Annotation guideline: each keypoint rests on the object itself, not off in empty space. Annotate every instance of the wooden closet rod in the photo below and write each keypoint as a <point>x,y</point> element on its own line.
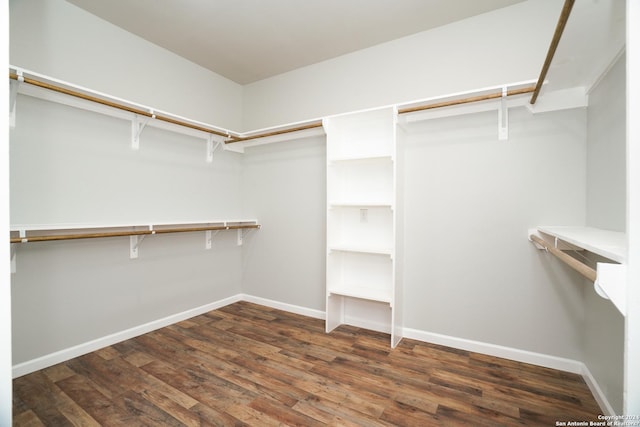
<point>78,236</point>
<point>97,100</point>
<point>128,233</point>
<point>562,22</point>
<point>581,268</point>
<point>468,100</point>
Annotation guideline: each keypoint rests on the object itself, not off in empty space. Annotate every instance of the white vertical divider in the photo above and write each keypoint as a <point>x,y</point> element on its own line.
<point>632,320</point>
<point>5,275</point>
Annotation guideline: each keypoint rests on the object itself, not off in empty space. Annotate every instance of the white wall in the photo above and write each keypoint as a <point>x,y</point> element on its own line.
<point>482,51</point>
<point>606,208</point>
<point>606,153</point>
<point>470,271</point>
<point>60,40</point>
<point>75,166</point>
<point>284,184</point>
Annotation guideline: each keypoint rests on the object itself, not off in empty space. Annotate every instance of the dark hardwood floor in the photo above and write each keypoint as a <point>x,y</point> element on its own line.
<point>246,364</point>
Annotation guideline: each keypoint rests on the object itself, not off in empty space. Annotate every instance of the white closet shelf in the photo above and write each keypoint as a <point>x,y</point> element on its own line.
<point>361,249</point>
<point>609,278</point>
<point>372,158</point>
<point>362,292</point>
<point>609,244</point>
<point>360,204</point>
<point>23,233</point>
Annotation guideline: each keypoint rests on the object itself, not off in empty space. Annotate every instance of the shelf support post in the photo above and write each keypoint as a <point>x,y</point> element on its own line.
<point>503,117</point>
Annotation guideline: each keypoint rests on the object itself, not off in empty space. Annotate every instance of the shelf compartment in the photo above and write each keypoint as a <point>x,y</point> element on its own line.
<point>365,134</point>
<point>362,292</point>
<point>361,182</point>
<point>360,273</point>
<point>360,227</point>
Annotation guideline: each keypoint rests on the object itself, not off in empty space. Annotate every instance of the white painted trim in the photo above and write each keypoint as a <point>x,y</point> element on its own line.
<point>539,359</point>
<point>631,392</point>
<point>296,309</point>
<point>597,392</point>
<point>84,348</point>
<point>599,76</point>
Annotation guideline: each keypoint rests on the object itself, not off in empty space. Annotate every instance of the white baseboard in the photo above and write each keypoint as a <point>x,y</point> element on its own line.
<point>524,356</point>
<point>597,392</point>
<point>84,348</point>
<point>296,309</point>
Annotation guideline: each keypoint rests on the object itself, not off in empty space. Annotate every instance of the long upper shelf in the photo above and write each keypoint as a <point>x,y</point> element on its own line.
<point>24,233</point>
<point>41,84</point>
<point>609,244</point>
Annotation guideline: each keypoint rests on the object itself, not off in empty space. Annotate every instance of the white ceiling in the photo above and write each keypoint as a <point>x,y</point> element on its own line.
<point>250,40</point>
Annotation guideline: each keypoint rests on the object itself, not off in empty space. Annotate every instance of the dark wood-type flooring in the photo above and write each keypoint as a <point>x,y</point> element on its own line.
<point>246,364</point>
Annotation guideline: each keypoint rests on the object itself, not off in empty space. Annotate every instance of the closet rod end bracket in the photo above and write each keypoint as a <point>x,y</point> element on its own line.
<point>535,232</point>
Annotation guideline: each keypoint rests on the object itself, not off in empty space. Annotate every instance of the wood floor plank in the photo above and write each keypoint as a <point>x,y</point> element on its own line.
<point>45,399</point>
<point>100,407</point>
<point>249,365</point>
<point>212,417</point>
<point>284,414</point>
<point>335,412</point>
<point>27,419</point>
<point>399,414</point>
<point>58,372</point>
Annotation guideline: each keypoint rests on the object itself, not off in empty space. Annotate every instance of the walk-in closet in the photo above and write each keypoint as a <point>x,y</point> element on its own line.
<point>321,213</point>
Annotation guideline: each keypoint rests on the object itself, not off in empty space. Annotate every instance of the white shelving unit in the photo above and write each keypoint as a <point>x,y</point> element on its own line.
<point>363,276</point>
<point>610,280</point>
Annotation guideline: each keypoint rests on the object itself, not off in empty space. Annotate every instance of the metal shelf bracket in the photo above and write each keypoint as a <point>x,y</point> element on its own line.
<point>13,97</point>
<point>503,117</point>
<point>137,126</point>
<point>209,235</point>
<point>242,233</point>
<point>211,149</point>
<point>134,244</point>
